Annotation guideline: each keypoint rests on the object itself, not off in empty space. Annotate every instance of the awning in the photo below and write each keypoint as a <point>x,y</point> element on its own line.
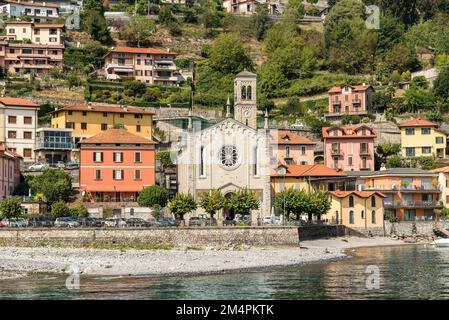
<point>111,188</point>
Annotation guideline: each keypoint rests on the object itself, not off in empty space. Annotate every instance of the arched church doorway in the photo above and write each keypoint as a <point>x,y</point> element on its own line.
<point>228,213</point>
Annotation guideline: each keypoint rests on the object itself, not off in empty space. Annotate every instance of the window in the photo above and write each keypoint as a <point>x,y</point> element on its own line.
<point>364,148</point>
<point>425,131</point>
<point>83,126</point>
<point>373,217</point>
<point>147,62</point>
<point>53,39</point>
<point>362,214</point>
<point>12,119</point>
<point>104,126</point>
<point>148,73</point>
<point>303,150</point>
<point>27,153</point>
<point>350,161</point>
<point>138,116</point>
<point>70,125</point>
<point>138,62</point>
<point>248,92</point>
<point>351,217</point>
<point>38,39</point>
<point>27,135</point>
<point>118,174</point>
<point>228,156</point>
<point>287,151</point>
<point>351,201</point>
<point>98,156</point>
<point>137,157</point>
<point>255,168</point>
<point>137,174</point>
<point>122,115</point>
<point>12,134</point>
<point>439,140</point>
<point>303,163</point>
<point>97,174</point>
<point>364,163</point>
<point>26,51</point>
<point>138,128</point>
<point>118,156</point>
<point>243,92</point>
<point>373,202</point>
<point>410,152</point>
<point>410,131</point>
<point>105,114</point>
<point>12,50</point>
<point>36,31</point>
<point>84,113</point>
<point>70,112</point>
<point>426,150</point>
<point>27,120</point>
<point>202,162</point>
<point>12,31</point>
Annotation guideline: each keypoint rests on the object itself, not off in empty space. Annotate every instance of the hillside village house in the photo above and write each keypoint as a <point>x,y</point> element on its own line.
<point>53,145</point>
<point>422,138</point>
<point>356,209</point>
<point>248,7</point>
<point>290,148</point>
<point>87,120</point>
<point>443,181</point>
<point>9,171</point>
<point>411,194</point>
<point>18,124</point>
<point>37,11</point>
<point>349,148</point>
<point>115,165</point>
<point>147,65</point>
<point>350,100</point>
<point>39,50</point>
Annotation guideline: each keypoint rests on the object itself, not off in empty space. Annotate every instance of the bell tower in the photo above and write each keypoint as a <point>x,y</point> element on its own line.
<point>245,98</point>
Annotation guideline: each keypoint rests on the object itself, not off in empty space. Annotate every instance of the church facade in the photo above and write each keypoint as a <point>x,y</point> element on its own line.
<point>231,155</point>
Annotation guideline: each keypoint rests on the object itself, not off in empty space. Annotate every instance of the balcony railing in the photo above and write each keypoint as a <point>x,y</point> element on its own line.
<point>364,152</point>
<point>413,204</point>
<point>411,188</point>
<point>336,103</point>
<point>336,152</point>
<point>356,101</point>
<point>341,113</point>
<point>420,188</point>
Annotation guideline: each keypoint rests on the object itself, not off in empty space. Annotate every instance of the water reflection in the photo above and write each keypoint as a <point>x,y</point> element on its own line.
<point>411,272</point>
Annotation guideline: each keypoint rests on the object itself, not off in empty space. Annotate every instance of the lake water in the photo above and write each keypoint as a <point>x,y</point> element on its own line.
<point>407,272</point>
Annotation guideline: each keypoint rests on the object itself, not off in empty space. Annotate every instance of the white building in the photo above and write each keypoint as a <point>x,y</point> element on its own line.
<point>231,155</point>
<point>38,11</point>
<point>18,124</point>
<point>248,7</point>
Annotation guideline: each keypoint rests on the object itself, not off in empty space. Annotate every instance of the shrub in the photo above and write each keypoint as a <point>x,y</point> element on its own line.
<point>59,209</point>
<point>153,195</point>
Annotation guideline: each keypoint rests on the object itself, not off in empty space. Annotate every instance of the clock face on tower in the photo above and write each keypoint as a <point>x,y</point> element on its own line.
<point>247,113</point>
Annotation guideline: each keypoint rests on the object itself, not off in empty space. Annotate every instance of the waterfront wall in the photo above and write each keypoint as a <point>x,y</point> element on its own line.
<point>208,236</point>
<point>406,229</point>
<point>313,232</point>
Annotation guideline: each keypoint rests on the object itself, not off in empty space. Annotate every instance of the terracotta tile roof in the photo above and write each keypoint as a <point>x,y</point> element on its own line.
<point>442,170</point>
<point>117,136</point>
<point>361,194</point>
<point>47,25</point>
<point>141,50</point>
<point>310,171</point>
<point>7,101</point>
<point>288,137</point>
<point>18,22</point>
<point>34,4</point>
<point>348,132</point>
<point>35,45</point>
<point>417,123</point>
<point>104,108</point>
<point>354,88</point>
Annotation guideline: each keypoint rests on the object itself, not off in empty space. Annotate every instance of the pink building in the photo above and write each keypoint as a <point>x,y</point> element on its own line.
<point>349,148</point>
<point>148,65</point>
<point>9,171</point>
<point>115,165</point>
<point>350,100</point>
<point>290,148</point>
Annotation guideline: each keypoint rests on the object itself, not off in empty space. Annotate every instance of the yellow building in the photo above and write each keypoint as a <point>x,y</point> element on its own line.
<point>356,209</point>
<point>422,138</point>
<point>87,120</point>
<point>307,177</point>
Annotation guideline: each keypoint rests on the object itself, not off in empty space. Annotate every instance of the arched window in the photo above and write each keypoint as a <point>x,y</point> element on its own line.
<point>373,217</point>
<point>351,217</point>
<point>362,214</point>
<point>248,92</point>
<point>351,202</point>
<point>243,92</point>
<point>373,201</point>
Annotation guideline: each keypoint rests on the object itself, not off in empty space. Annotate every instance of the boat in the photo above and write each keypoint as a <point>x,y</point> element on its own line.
<point>441,243</point>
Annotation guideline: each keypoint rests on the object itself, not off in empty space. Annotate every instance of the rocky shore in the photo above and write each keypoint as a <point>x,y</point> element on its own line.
<point>19,261</point>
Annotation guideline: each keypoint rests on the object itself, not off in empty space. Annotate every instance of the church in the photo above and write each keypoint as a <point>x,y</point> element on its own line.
<point>231,155</point>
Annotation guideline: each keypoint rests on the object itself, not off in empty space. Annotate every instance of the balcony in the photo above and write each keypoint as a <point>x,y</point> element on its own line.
<point>365,152</point>
<point>413,204</point>
<point>337,152</point>
<point>342,113</point>
<point>171,67</point>
<point>165,78</point>
<point>356,101</point>
<point>422,188</point>
<point>54,145</point>
<point>336,103</point>
<point>120,67</point>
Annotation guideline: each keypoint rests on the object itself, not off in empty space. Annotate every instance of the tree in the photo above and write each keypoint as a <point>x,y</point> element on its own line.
<point>441,84</point>
<point>59,209</point>
<point>10,208</point>
<point>295,9</point>
<point>291,202</point>
<point>212,201</point>
<point>134,88</point>
<point>243,201</point>
<point>228,56</point>
<point>261,21</point>
<point>96,26</point>
<point>137,30</point>
<point>78,211</point>
<point>319,203</point>
<point>182,204</point>
<point>153,195</point>
<point>53,184</point>
<point>95,5</point>
<point>386,150</point>
<point>394,162</point>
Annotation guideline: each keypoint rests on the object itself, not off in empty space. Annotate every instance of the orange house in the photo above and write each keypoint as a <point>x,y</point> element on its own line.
<point>115,165</point>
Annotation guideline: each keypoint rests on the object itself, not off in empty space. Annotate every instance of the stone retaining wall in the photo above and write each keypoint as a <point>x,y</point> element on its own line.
<point>406,228</point>
<point>208,236</point>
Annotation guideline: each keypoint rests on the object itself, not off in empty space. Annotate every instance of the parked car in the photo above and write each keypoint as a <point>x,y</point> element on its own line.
<point>60,164</point>
<point>229,222</point>
<point>16,223</point>
<point>71,165</point>
<point>67,222</point>
<point>41,222</point>
<point>137,222</point>
<point>196,221</point>
<point>167,222</point>
<point>3,223</point>
<point>91,222</point>
<point>38,166</point>
<point>267,220</point>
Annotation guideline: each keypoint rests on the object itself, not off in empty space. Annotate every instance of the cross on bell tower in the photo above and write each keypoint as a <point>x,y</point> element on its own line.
<point>245,98</point>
